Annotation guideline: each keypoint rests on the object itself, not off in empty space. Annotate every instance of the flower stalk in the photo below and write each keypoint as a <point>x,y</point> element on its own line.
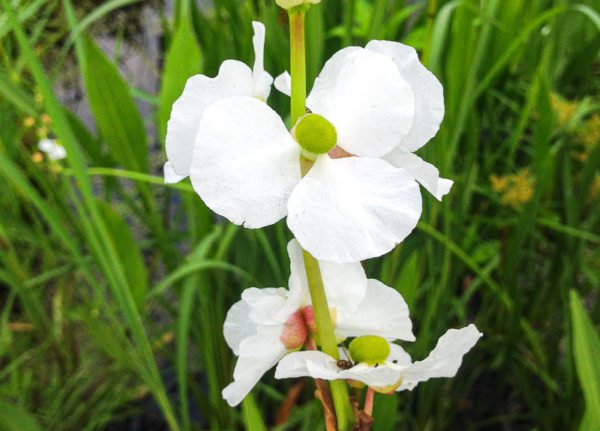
<point>325,329</point>
<point>369,400</point>
<point>297,62</point>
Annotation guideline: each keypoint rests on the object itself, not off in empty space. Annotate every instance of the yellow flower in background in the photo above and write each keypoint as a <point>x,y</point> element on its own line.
<point>515,189</point>
<point>29,122</point>
<point>588,137</point>
<point>499,184</point>
<point>564,109</point>
<point>45,118</point>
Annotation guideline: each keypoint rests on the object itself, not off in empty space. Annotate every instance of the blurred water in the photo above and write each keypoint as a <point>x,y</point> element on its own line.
<point>138,54</point>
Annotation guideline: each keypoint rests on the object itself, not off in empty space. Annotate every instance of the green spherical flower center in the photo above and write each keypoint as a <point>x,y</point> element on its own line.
<point>370,349</point>
<point>315,134</point>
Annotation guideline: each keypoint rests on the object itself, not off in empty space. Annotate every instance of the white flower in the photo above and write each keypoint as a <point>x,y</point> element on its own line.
<point>428,114</point>
<point>397,372</point>
<point>234,79</point>
<point>53,149</point>
<point>268,324</point>
<point>346,209</point>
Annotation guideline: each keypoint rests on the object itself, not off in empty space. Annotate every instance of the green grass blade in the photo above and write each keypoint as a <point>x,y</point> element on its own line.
<point>115,112</point>
<point>253,420</point>
<point>129,254</point>
<point>13,418</point>
<point>586,350</point>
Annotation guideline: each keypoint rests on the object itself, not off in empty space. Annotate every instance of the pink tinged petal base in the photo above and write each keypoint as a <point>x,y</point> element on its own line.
<point>427,90</point>
<point>444,360</point>
<point>234,79</point>
<point>363,95</point>
<point>383,312</point>
<point>294,331</point>
<point>245,162</point>
<point>425,173</point>
<point>352,209</point>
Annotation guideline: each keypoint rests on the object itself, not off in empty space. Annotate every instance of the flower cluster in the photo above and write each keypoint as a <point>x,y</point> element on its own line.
<point>360,197</point>
<point>516,190</point>
<point>347,178</point>
<point>269,326</point>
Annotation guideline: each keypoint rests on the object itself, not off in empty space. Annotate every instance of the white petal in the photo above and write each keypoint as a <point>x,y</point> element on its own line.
<point>427,91</point>
<point>380,376</point>
<point>283,83</point>
<point>258,354</point>
<point>234,79</point>
<point>258,41</point>
<point>46,145</point>
<point>262,86</point>
<point>445,359</point>
<point>53,149</point>
<point>425,173</point>
<point>266,305</point>
<point>245,162</point>
<point>398,357</point>
<point>382,312</point>
<point>353,208</point>
<point>171,177</point>
<point>362,94</point>
<point>345,283</point>
<point>318,365</point>
<point>262,79</point>
<point>312,363</point>
<point>297,282</point>
<point>238,325</point>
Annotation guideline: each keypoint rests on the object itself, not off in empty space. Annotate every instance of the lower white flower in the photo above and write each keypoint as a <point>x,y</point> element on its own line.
<point>268,324</point>
<point>345,209</point>
<point>381,365</point>
<point>53,149</point>
<point>234,79</point>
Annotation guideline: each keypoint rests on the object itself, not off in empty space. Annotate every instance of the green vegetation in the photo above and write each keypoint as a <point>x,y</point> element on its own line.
<point>114,286</point>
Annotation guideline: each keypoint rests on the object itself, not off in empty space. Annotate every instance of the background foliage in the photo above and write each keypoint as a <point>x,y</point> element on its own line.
<point>114,287</point>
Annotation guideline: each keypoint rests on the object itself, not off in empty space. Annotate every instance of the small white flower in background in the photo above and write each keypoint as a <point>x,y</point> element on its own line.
<point>268,324</point>
<point>234,79</point>
<point>428,114</point>
<point>345,209</point>
<point>381,365</point>
<point>53,149</point>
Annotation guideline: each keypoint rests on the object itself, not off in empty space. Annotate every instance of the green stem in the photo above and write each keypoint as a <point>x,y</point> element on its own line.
<point>327,340</point>
<point>432,7</point>
<point>325,329</point>
<point>297,63</point>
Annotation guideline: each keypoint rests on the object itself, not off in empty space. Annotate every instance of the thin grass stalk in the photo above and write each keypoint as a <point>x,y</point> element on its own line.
<point>99,237</point>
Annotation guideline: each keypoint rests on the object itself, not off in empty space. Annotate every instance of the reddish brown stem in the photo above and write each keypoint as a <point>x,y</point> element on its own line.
<point>369,398</point>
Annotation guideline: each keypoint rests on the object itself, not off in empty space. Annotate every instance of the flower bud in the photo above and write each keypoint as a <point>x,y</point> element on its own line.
<point>309,318</point>
<point>294,331</point>
<point>370,349</point>
<point>289,4</point>
<point>315,134</point>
